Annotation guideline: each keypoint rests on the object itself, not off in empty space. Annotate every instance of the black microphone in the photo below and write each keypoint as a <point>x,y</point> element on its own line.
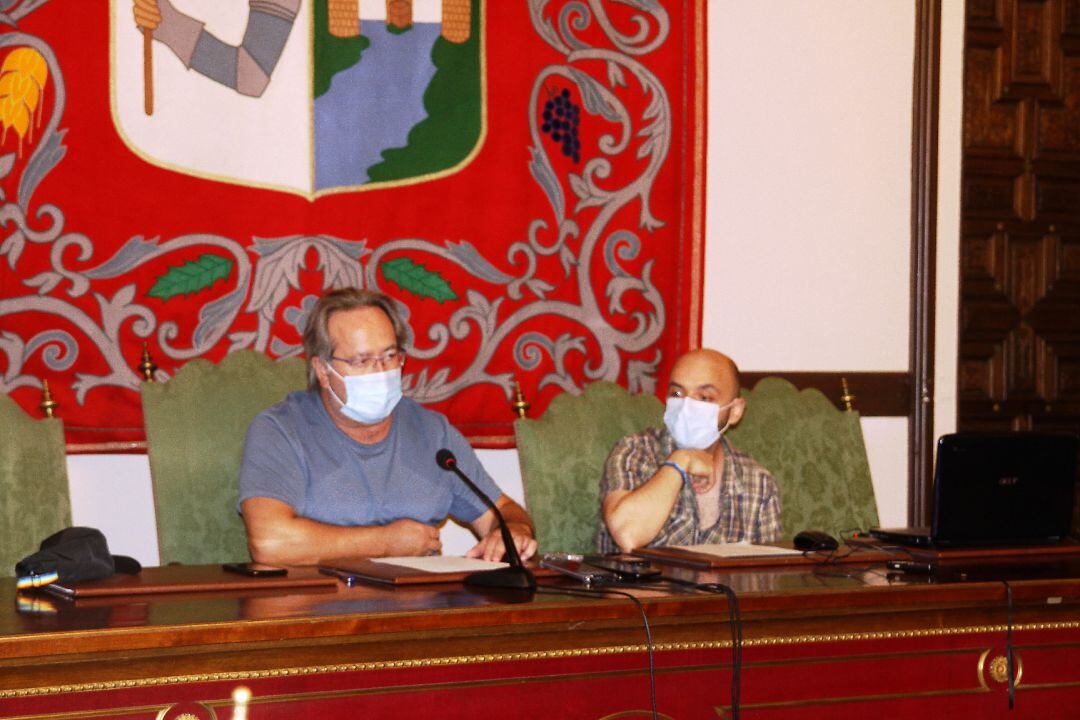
<point>517,575</point>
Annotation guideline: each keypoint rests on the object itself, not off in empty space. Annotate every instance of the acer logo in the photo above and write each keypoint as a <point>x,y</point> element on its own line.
<point>1008,481</point>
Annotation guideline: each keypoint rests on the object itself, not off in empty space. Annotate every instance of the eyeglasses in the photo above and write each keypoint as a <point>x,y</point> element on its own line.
<point>392,358</point>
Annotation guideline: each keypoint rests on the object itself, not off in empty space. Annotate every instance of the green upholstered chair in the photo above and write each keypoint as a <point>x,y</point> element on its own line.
<point>33,483</point>
<point>562,458</point>
<point>195,428</point>
<point>816,454</point>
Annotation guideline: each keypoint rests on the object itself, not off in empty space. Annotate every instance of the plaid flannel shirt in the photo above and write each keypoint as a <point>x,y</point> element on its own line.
<point>749,500</point>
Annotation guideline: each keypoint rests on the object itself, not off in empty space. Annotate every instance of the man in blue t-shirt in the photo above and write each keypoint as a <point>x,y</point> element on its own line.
<point>347,468</point>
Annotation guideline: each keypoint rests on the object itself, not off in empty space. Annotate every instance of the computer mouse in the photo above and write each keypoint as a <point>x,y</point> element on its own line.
<point>815,540</point>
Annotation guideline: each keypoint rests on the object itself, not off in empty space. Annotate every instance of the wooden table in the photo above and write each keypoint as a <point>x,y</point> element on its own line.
<point>836,641</point>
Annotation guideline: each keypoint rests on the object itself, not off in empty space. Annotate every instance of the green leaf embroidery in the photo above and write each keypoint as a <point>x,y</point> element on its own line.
<point>192,276</point>
<point>417,279</point>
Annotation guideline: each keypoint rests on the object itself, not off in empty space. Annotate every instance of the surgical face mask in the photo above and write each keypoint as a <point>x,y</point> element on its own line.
<point>369,398</point>
<point>694,424</point>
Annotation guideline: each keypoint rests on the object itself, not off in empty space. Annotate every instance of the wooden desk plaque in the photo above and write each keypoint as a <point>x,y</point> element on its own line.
<point>706,561</point>
<point>186,578</point>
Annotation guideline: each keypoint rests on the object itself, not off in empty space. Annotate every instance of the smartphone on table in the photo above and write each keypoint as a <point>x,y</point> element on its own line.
<point>251,569</point>
<point>627,567</point>
<point>575,566</point>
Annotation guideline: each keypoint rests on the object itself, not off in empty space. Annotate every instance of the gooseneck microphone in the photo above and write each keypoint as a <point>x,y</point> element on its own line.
<point>516,575</point>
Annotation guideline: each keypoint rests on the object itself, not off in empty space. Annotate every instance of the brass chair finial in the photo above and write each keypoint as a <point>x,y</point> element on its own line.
<point>47,403</point>
<point>846,396</point>
<point>520,404</point>
<point>146,365</point>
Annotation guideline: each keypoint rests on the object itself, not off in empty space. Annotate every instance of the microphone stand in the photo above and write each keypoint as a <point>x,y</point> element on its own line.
<point>516,576</point>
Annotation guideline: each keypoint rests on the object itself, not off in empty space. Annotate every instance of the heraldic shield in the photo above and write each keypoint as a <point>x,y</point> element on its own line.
<point>303,96</point>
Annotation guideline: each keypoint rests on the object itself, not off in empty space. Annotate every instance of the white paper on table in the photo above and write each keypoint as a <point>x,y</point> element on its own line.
<point>441,563</point>
<point>734,550</point>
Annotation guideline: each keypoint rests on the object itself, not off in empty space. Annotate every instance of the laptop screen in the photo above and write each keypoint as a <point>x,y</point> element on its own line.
<point>1003,488</point>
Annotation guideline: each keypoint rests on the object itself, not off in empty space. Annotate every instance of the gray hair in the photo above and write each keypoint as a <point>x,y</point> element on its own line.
<point>317,333</point>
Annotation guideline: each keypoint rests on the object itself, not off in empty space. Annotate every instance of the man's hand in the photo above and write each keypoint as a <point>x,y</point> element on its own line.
<point>491,547</point>
<point>408,537</point>
<point>700,466</point>
<point>147,14</point>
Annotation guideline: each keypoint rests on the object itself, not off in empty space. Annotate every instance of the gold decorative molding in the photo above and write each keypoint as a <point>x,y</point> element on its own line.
<point>998,668</point>
<point>243,675</point>
<point>724,711</point>
<point>186,711</point>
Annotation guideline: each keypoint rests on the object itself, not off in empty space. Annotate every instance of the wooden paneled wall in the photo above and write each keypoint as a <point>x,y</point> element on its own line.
<point>1019,353</point>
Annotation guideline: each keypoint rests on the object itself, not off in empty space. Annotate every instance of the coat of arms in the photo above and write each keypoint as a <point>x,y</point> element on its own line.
<point>308,96</point>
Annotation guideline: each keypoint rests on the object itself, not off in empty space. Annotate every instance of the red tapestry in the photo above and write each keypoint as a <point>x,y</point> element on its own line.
<point>525,177</point>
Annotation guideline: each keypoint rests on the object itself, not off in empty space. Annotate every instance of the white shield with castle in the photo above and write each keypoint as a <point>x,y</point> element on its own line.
<point>305,96</point>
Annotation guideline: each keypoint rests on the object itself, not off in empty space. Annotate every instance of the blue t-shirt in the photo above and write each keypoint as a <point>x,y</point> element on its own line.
<point>296,454</point>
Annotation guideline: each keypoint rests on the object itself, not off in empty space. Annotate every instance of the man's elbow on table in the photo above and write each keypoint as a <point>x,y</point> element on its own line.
<point>272,549</point>
<point>267,551</point>
<point>624,531</point>
<point>270,540</point>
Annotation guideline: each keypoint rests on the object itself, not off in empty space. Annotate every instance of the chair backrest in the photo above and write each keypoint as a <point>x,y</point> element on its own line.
<point>195,428</point>
<point>816,454</point>
<point>33,483</point>
<point>562,458</point>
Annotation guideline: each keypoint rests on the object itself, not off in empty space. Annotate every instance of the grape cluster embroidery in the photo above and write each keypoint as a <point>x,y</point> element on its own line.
<point>561,118</point>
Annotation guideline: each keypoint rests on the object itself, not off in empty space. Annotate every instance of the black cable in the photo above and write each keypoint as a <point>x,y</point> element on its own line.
<point>735,627</point>
<point>838,566</point>
<point>837,561</point>
<point>910,552</point>
<point>823,557</point>
<point>600,592</point>
<point>735,624</point>
<point>1008,641</point>
<point>846,572</point>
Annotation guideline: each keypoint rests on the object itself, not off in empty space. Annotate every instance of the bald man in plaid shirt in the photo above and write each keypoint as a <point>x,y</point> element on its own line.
<point>684,484</point>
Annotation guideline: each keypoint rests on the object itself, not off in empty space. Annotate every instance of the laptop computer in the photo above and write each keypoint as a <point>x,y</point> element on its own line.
<point>998,489</point>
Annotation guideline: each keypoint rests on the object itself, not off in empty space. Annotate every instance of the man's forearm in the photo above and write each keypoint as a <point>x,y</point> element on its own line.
<point>518,522</point>
<point>278,536</point>
<point>514,514</point>
<point>300,541</point>
<point>638,516</point>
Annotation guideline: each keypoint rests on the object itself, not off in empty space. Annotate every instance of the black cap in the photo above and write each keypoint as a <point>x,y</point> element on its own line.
<point>74,554</point>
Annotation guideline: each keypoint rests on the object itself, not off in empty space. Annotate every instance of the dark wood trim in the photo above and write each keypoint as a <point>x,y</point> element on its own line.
<point>877,394</point>
<point>924,159</point>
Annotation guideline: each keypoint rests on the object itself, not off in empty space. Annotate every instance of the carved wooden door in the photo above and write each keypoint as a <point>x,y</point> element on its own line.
<point>1020,217</point>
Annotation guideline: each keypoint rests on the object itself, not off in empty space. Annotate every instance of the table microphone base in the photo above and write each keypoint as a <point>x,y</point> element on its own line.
<point>507,577</point>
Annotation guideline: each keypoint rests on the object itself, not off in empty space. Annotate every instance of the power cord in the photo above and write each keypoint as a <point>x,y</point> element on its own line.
<point>735,624</point>
<point>735,627</point>
<point>908,551</point>
<point>851,569</point>
<point>1008,641</point>
<point>601,592</point>
<point>835,564</point>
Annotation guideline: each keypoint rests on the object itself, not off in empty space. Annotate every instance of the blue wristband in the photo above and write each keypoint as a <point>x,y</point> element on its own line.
<point>671,464</point>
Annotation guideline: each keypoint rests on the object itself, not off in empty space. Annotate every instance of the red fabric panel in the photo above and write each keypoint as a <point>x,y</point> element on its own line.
<point>555,291</point>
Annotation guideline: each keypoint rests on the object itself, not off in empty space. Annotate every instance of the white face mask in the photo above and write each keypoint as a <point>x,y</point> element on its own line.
<point>694,424</point>
<point>369,398</point>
